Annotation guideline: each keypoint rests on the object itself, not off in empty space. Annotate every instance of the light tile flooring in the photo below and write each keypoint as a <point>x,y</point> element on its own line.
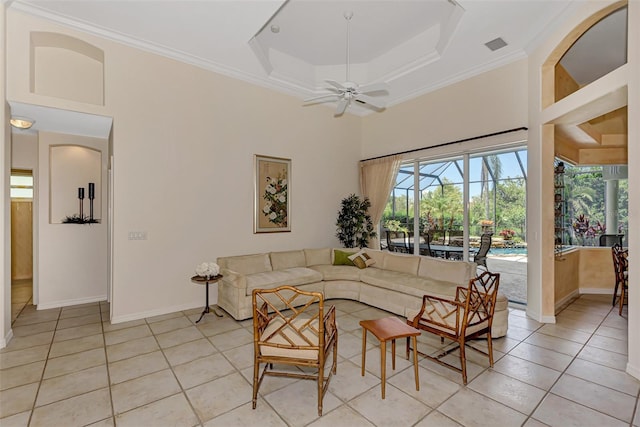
<point>71,367</point>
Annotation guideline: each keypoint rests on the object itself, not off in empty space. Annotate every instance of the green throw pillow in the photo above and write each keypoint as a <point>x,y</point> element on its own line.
<point>341,258</point>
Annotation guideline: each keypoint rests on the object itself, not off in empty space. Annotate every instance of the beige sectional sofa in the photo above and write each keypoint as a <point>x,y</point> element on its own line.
<point>394,282</point>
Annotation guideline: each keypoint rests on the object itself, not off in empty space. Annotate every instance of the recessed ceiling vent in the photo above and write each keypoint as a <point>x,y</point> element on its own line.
<point>496,44</point>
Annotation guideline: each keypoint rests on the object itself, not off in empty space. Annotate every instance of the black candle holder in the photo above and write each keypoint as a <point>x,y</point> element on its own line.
<point>92,195</point>
<point>81,199</point>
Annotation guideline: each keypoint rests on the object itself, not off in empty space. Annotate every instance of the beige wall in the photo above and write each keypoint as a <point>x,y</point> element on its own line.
<point>566,276</point>
<point>633,366</point>
<point>585,270</point>
<point>71,258</point>
<point>5,204</point>
<point>491,102</point>
<point>183,146</point>
<point>541,265</point>
<point>596,270</point>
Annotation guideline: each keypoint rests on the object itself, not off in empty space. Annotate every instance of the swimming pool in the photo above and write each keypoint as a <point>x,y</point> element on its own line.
<point>508,251</point>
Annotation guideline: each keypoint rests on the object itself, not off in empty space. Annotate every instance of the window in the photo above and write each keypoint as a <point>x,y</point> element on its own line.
<point>21,184</point>
<point>586,191</point>
<point>496,198</point>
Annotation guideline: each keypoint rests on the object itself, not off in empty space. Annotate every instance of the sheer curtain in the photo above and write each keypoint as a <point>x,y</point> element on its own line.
<point>377,178</point>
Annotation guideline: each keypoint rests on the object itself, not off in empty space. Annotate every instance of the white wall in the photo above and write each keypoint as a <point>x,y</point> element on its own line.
<point>72,258</point>
<point>5,204</point>
<point>633,365</point>
<point>491,102</point>
<point>183,146</point>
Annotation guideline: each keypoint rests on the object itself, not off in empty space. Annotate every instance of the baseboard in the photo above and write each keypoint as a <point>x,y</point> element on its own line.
<point>152,313</point>
<point>548,319</point>
<point>7,338</point>
<point>567,299</point>
<point>65,303</point>
<point>596,291</point>
<point>634,371</point>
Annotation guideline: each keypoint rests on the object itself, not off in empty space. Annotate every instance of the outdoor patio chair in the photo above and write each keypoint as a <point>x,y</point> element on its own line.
<point>468,316</point>
<point>425,248</point>
<point>397,241</point>
<point>291,328</point>
<point>610,239</point>
<point>480,257</point>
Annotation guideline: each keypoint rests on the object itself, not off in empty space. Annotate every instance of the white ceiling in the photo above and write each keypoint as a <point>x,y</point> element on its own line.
<point>415,46</point>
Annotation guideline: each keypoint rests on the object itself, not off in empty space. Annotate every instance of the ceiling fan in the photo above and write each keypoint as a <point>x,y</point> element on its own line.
<point>349,91</point>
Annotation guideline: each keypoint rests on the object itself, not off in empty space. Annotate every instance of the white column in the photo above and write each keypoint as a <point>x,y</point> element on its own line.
<point>611,206</point>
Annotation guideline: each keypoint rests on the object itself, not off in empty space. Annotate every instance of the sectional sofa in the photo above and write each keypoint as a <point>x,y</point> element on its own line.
<point>390,281</point>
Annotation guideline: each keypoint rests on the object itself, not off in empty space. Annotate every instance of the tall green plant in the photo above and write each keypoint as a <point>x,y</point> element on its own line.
<point>354,222</point>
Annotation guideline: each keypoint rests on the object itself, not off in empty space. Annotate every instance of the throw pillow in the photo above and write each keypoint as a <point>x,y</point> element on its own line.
<point>341,258</point>
<point>362,259</point>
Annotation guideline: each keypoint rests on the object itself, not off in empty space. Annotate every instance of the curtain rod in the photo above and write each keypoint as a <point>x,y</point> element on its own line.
<point>444,144</point>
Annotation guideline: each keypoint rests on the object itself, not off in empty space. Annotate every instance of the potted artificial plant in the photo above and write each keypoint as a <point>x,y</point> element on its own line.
<point>355,227</point>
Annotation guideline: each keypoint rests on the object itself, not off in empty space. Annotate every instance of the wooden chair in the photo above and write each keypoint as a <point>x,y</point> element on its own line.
<point>290,327</point>
<point>620,266</point>
<point>480,257</point>
<point>468,316</point>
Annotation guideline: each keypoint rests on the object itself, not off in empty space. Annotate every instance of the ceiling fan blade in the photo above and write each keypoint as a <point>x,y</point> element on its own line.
<point>374,87</point>
<point>336,85</point>
<point>342,106</point>
<point>371,101</point>
<point>322,98</point>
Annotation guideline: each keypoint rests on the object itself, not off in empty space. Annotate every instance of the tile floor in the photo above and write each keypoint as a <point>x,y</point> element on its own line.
<point>71,367</point>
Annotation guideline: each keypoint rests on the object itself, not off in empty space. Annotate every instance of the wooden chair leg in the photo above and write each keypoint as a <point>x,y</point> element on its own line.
<point>463,363</point>
<point>490,348</point>
<point>256,372</point>
<point>615,294</point>
<point>320,378</point>
<point>622,295</point>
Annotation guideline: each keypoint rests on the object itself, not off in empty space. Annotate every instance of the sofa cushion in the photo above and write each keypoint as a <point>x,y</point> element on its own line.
<point>450,321</point>
<point>362,259</point>
<point>341,257</point>
<point>291,276</point>
<point>378,256</point>
<point>288,259</point>
<point>318,256</point>
<point>248,264</point>
<point>407,283</point>
<point>338,272</point>
<point>401,263</point>
<point>459,272</point>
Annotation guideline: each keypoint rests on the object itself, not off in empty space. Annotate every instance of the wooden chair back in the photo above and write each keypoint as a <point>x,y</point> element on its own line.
<point>291,327</point>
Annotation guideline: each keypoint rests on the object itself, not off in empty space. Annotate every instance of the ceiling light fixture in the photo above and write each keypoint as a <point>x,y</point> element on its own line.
<point>21,122</point>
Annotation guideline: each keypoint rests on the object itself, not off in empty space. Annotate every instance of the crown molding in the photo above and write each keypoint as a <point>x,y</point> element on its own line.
<point>154,48</point>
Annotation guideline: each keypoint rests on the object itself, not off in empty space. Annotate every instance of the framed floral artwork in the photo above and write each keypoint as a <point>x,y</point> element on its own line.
<point>272,195</point>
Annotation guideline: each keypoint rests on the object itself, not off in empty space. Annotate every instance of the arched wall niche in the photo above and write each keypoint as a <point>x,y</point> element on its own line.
<point>66,67</point>
<point>601,138</point>
<point>73,167</point>
<point>552,82</point>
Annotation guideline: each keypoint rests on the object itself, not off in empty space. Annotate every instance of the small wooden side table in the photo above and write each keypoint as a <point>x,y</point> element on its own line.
<point>389,328</point>
<point>205,281</point>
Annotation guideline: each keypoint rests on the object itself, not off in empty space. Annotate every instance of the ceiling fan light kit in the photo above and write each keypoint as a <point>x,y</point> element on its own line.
<point>349,91</point>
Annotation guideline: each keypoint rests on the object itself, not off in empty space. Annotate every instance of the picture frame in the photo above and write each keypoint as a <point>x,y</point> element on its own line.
<point>272,194</point>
